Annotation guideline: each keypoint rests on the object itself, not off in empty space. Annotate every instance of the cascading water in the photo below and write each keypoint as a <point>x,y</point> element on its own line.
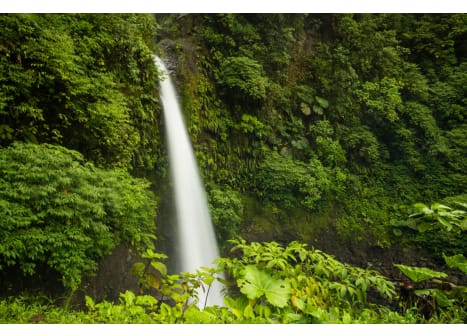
<point>196,241</point>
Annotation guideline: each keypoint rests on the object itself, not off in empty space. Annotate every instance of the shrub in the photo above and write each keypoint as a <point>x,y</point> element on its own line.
<point>226,210</point>
<point>292,183</point>
<point>243,78</point>
<point>59,211</point>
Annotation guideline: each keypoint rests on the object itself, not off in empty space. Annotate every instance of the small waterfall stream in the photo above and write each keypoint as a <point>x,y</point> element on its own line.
<point>196,243</point>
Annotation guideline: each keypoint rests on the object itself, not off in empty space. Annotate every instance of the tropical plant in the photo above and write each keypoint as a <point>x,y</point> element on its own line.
<point>457,261</point>
<point>83,81</point>
<point>418,274</point>
<point>294,284</point>
<point>226,211</point>
<point>291,183</point>
<point>62,213</point>
<point>438,216</point>
<point>438,228</point>
<point>243,78</point>
<point>437,299</point>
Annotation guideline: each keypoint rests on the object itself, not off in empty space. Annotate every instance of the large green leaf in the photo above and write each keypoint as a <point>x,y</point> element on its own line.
<point>441,299</point>
<point>418,274</point>
<point>160,267</point>
<point>258,283</point>
<point>458,261</point>
<point>322,102</point>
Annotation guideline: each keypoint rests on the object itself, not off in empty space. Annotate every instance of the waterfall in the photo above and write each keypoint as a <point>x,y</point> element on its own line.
<point>196,243</point>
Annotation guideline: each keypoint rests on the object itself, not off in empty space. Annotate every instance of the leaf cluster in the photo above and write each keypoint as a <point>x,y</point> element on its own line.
<point>83,81</point>
<point>61,211</point>
<point>293,284</point>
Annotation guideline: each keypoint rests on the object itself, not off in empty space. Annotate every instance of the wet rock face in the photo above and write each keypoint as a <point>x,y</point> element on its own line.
<point>113,277</point>
<point>360,253</point>
<point>365,255</point>
<point>46,281</point>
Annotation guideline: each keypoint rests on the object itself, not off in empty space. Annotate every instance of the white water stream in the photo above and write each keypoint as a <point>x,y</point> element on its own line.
<point>196,241</point>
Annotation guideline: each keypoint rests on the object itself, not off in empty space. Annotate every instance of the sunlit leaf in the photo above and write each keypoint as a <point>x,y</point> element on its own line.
<point>89,302</point>
<point>298,303</point>
<point>146,300</point>
<point>458,261</point>
<point>424,226</point>
<point>152,280</point>
<point>159,267</point>
<point>258,283</point>
<point>128,297</point>
<point>418,274</point>
<point>305,109</point>
<point>150,254</point>
<point>318,109</point>
<point>248,312</point>
<point>445,223</point>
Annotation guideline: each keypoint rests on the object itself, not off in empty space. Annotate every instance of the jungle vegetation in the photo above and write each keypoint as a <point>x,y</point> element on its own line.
<point>302,124</point>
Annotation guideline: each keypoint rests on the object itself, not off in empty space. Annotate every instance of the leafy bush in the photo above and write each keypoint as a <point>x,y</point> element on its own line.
<point>438,227</point>
<point>226,211</point>
<point>438,299</point>
<point>328,150</point>
<point>291,183</point>
<point>59,211</point>
<point>294,284</point>
<point>243,78</point>
<point>267,283</point>
<point>83,81</point>
<point>438,217</point>
<point>24,309</point>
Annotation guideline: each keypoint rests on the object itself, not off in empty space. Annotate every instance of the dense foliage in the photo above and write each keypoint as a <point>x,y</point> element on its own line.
<point>350,123</point>
<point>226,209</point>
<point>61,213</point>
<point>268,284</point>
<point>86,82</point>
<point>363,114</point>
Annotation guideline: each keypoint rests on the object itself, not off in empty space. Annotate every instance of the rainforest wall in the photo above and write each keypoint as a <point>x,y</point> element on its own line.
<point>79,129</point>
<point>303,124</point>
<point>323,122</point>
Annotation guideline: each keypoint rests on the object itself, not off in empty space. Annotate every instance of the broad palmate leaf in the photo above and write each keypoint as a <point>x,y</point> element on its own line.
<point>258,283</point>
<point>418,274</point>
<point>458,261</point>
